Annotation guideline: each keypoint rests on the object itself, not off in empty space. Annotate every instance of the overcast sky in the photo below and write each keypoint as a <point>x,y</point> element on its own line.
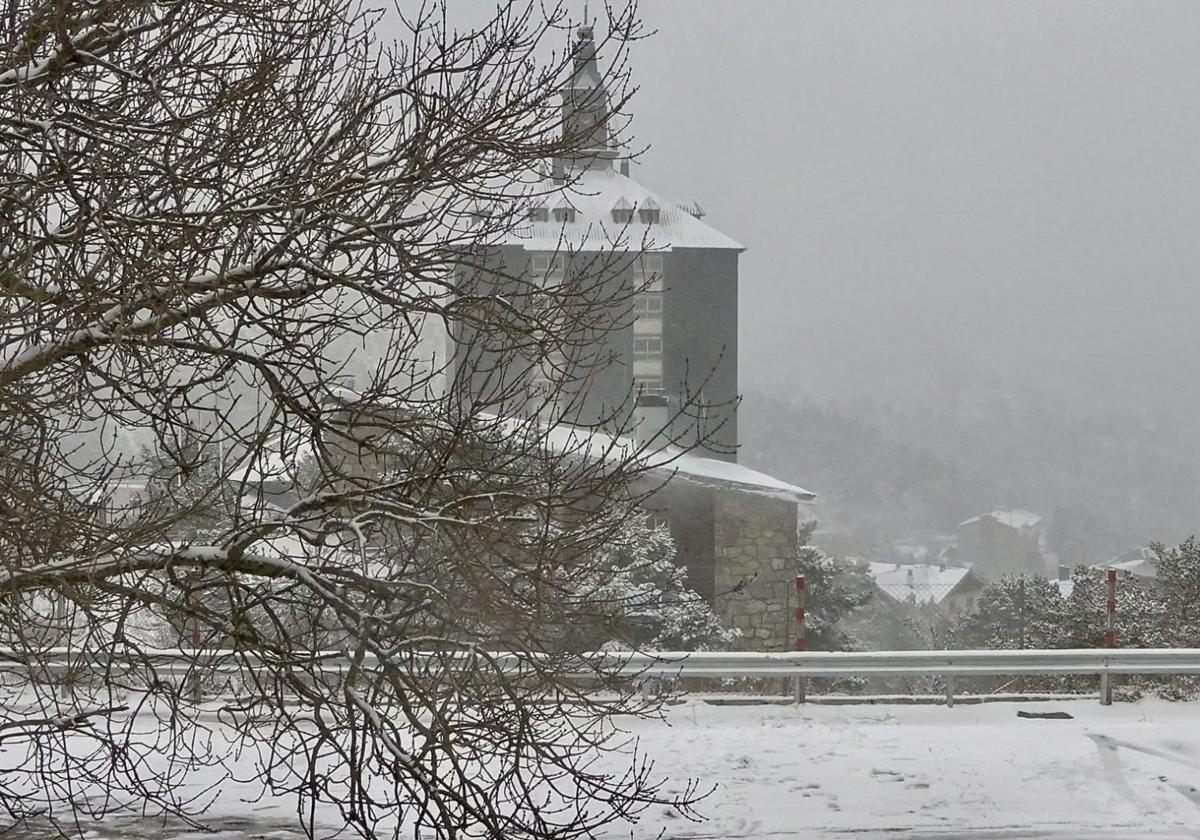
<point>936,194</point>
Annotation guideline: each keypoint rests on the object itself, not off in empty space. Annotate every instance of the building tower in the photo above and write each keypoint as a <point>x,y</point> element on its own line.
<point>681,344</point>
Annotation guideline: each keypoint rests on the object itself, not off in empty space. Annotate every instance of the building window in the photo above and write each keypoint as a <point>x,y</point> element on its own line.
<point>622,211</point>
<point>548,268</point>
<point>648,273</point>
<point>650,303</point>
<point>564,211</point>
<point>537,213</point>
<point>647,346</point>
<point>648,211</point>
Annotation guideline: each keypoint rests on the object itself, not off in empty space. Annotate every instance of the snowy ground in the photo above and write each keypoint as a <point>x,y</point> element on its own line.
<point>884,771</point>
<point>1129,770</point>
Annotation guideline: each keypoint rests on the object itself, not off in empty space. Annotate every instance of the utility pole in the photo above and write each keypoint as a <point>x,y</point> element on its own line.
<point>1110,632</point>
<point>1021,610</point>
<point>799,687</point>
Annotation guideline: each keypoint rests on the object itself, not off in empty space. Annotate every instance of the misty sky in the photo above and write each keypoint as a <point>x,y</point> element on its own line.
<point>942,195</point>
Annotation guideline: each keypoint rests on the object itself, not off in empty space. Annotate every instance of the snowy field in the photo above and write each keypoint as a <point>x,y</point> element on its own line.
<point>1131,770</point>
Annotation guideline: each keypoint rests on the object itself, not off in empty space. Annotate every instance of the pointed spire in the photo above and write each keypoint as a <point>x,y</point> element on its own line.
<point>585,104</point>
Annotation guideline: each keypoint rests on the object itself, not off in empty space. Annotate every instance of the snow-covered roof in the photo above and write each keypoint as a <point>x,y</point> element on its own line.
<point>689,466</point>
<point>1012,518</point>
<point>594,193</point>
<point>1142,563</point>
<point>926,583</point>
<point>729,475</point>
<point>278,463</point>
<point>279,460</point>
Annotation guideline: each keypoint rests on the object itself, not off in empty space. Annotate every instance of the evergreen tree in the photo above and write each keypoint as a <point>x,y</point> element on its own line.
<point>835,588</point>
<point>1012,613</point>
<point>635,596</point>
<point>1179,590</point>
<point>1140,617</point>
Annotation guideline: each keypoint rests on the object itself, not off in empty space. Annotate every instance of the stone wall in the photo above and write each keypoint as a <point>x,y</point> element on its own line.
<point>755,544</point>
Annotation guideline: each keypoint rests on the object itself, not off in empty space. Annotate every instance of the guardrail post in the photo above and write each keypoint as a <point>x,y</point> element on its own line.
<point>950,690</point>
<point>1110,634</point>
<point>798,686</point>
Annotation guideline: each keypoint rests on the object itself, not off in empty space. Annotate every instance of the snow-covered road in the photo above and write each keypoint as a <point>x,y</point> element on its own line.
<point>873,772</point>
<point>1130,770</point>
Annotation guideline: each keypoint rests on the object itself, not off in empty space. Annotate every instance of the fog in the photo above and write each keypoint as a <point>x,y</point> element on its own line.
<point>970,234</point>
<point>941,196</point>
<point>968,281</point>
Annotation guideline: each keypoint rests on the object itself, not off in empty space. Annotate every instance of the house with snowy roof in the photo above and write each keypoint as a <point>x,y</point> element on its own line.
<point>1005,542</point>
<point>952,589</point>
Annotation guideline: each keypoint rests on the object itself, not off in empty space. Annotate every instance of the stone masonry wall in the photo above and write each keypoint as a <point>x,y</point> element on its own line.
<point>755,541</point>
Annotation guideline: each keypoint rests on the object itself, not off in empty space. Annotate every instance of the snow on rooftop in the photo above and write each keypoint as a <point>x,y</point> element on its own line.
<point>594,193</point>
<point>700,470</point>
<point>689,466</point>
<point>278,463</point>
<point>1014,518</point>
<point>1143,563</point>
<point>926,583</point>
<point>278,460</point>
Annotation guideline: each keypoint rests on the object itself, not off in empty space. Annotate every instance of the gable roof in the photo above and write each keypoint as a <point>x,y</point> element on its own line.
<point>927,584</point>
<point>594,193</point>
<point>1013,518</point>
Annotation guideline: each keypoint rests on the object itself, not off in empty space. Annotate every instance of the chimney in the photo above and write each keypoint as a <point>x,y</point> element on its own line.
<point>1064,572</point>
<point>649,418</point>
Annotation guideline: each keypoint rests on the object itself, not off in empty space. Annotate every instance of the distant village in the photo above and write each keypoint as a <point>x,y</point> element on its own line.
<point>950,570</point>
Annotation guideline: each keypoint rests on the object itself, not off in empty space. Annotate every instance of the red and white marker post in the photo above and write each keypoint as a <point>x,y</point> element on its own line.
<point>800,643</point>
<point>1110,634</point>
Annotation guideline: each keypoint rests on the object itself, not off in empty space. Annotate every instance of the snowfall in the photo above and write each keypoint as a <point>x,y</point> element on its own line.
<point>885,771</point>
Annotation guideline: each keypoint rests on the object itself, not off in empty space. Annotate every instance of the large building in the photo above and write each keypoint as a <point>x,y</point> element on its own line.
<point>680,276</point>
<point>675,355</point>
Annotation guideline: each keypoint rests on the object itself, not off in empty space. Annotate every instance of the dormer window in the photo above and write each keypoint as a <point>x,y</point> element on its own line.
<point>648,211</point>
<point>622,211</point>
<point>563,211</point>
<point>537,212</point>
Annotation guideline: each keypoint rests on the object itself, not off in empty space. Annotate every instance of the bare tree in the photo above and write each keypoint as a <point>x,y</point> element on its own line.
<point>210,213</point>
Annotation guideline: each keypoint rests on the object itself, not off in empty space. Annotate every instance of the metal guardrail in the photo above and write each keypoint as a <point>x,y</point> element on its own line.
<point>1102,662</point>
<point>910,662</point>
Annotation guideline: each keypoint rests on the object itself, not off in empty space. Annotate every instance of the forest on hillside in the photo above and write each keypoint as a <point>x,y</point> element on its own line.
<point>1104,481</point>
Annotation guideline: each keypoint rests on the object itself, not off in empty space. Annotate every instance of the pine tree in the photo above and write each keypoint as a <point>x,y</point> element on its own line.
<point>835,588</point>
<point>1179,590</point>
<point>1012,613</point>
<point>636,597</point>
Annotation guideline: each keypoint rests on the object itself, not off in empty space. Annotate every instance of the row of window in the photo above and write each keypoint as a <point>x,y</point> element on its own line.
<point>648,212</point>
<point>648,305</point>
<point>562,214</point>
<point>648,215</point>
<point>647,324</point>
